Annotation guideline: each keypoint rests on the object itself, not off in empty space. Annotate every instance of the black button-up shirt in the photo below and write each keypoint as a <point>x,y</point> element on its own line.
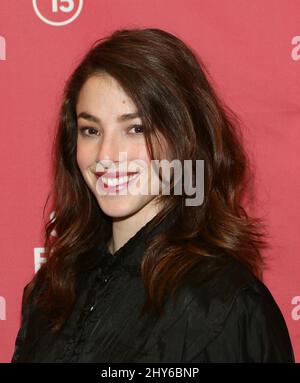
<point>231,317</point>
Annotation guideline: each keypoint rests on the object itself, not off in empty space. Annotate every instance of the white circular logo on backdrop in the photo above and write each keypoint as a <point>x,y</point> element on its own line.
<point>57,12</point>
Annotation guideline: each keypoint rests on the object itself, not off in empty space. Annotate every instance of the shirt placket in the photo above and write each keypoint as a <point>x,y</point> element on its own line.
<point>87,319</point>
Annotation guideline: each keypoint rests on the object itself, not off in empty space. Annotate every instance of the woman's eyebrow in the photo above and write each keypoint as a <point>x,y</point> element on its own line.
<point>122,117</point>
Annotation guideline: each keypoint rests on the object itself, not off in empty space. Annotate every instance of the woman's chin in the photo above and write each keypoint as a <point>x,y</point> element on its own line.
<point>122,206</point>
<point>118,208</point>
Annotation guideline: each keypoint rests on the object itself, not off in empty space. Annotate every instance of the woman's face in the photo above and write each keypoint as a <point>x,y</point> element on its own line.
<point>108,145</point>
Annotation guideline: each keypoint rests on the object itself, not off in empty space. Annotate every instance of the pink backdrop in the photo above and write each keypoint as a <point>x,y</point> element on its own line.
<point>252,50</point>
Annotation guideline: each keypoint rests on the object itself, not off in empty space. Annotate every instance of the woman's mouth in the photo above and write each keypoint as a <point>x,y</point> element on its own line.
<point>114,182</point>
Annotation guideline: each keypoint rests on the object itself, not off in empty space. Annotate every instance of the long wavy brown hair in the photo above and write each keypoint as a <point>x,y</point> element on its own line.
<point>173,92</point>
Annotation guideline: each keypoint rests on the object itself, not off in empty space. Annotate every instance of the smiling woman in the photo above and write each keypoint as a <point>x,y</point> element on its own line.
<point>113,118</point>
<point>142,277</point>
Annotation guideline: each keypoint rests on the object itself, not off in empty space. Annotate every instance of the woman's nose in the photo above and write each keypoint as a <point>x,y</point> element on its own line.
<point>111,149</point>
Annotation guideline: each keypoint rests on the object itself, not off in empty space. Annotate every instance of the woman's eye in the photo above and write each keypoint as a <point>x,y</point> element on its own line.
<point>138,129</point>
<point>91,131</point>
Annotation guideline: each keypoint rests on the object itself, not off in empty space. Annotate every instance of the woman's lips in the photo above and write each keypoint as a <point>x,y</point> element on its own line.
<point>113,182</point>
<point>114,174</point>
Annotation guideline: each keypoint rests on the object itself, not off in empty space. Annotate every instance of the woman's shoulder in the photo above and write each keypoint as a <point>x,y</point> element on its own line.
<point>215,287</point>
<point>233,310</point>
<point>218,281</point>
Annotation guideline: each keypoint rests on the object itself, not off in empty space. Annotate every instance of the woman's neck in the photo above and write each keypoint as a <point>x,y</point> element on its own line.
<point>125,228</point>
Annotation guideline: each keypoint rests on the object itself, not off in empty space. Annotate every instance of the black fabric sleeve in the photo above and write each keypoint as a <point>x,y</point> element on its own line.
<point>254,331</point>
<point>22,330</point>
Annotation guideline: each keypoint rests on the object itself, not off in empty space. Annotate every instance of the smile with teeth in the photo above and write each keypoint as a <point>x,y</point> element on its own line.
<point>117,181</point>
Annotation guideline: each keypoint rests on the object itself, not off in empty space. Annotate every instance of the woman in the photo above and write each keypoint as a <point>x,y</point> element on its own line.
<point>145,276</point>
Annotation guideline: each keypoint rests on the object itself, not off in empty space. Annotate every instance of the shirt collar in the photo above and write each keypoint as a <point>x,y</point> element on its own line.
<point>130,255</point>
